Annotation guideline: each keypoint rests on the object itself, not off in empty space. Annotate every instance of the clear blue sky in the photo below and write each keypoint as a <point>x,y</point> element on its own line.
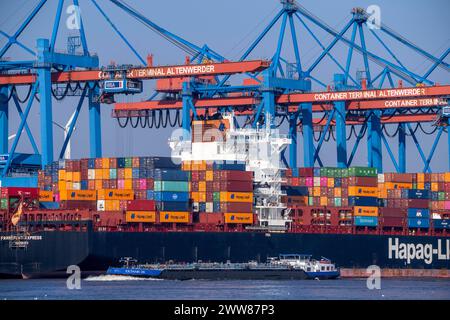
<point>228,27</point>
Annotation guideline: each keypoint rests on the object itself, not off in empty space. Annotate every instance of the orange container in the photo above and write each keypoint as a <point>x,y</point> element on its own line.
<point>173,217</point>
<point>355,191</point>
<point>76,176</point>
<point>209,175</point>
<point>105,173</point>
<point>323,201</point>
<point>337,192</point>
<point>202,186</point>
<point>112,205</point>
<point>195,196</point>
<point>114,194</point>
<point>62,175</point>
<point>69,176</point>
<point>236,196</point>
<point>128,184</point>
<point>98,184</point>
<point>234,218</point>
<point>128,173</point>
<point>45,196</point>
<point>98,174</point>
<point>330,182</point>
<point>105,163</point>
<point>316,192</point>
<point>366,211</point>
<point>202,196</point>
<point>397,185</point>
<point>80,195</point>
<point>140,216</point>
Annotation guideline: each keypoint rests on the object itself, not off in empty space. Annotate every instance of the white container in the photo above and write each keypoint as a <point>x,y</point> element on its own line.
<point>316,181</point>
<point>91,174</point>
<point>76,186</point>
<point>209,207</point>
<point>100,205</point>
<point>381,178</point>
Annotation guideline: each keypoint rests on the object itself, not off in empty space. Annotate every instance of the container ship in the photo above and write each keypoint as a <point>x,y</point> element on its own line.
<point>223,195</point>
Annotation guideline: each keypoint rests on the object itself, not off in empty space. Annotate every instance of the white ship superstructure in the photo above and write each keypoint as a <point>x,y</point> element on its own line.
<point>260,148</point>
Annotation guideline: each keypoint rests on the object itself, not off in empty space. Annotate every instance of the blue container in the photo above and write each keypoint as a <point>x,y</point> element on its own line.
<point>434,196</point>
<point>150,195</point>
<point>441,224</point>
<point>316,172</point>
<point>427,185</point>
<point>171,196</point>
<point>216,206</point>
<point>338,182</point>
<point>415,194</point>
<point>295,172</point>
<point>295,190</point>
<point>49,205</point>
<point>84,184</point>
<point>202,207</point>
<point>170,175</point>
<point>229,165</point>
<point>366,221</point>
<point>121,163</point>
<point>135,173</point>
<point>91,163</point>
<point>418,213</point>
<point>363,201</point>
<point>418,223</point>
<point>173,206</point>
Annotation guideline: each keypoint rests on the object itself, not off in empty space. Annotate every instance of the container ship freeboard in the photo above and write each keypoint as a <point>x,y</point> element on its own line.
<point>223,196</point>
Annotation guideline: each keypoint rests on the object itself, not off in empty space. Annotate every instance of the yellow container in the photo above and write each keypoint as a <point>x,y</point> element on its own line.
<point>316,191</point>
<point>45,196</point>
<point>69,176</point>
<point>366,211</point>
<point>115,194</point>
<point>195,196</point>
<point>140,216</point>
<point>420,177</point>
<point>112,205</point>
<point>87,195</point>
<point>434,186</point>
<point>128,184</point>
<point>76,176</point>
<point>234,218</point>
<point>105,163</point>
<point>362,191</point>
<point>202,186</point>
<point>323,201</point>
<point>62,185</point>
<point>105,173</point>
<point>236,196</point>
<point>186,166</point>
<point>173,217</point>
<point>447,177</point>
<point>202,197</point>
<point>62,175</point>
<point>209,175</point>
<point>397,185</point>
<point>421,185</point>
<point>337,192</point>
<point>98,174</point>
<point>128,173</point>
<point>98,184</point>
<point>330,182</point>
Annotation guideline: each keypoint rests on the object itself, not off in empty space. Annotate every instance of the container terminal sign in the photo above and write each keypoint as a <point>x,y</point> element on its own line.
<point>370,94</point>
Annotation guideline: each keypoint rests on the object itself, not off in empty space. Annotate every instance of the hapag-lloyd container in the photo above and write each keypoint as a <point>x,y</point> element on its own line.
<point>415,194</point>
<point>140,216</point>
<point>418,223</point>
<point>239,218</point>
<point>418,213</point>
<point>365,221</point>
<point>173,206</point>
<point>441,223</point>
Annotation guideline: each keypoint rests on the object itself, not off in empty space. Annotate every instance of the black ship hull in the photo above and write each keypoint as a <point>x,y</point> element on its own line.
<point>47,253</point>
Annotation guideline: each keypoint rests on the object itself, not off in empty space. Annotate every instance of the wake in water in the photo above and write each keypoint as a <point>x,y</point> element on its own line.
<point>109,277</point>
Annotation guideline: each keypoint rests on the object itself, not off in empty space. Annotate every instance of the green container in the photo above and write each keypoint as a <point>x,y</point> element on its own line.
<point>216,196</point>
<point>441,196</point>
<point>344,173</point>
<point>113,173</point>
<point>338,172</point>
<point>128,162</point>
<point>174,186</point>
<point>338,202</point>
<point>362,172</point>
<point>310,201</point>
<point>4,204</point>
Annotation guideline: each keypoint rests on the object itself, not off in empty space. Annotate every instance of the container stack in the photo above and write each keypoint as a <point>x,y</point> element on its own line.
<point>171,193</point>
<point>417,203</point>
<point>363,195</point>
<point>221,188</point>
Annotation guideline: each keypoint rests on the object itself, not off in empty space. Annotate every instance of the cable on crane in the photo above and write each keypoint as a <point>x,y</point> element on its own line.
<point>14,91</point>
<point>120,122</point>
<point>428,132</point>
<point>384,129</point>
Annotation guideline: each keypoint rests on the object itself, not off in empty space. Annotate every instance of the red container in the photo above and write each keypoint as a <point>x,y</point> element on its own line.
<point>113,163</point>
<point>150,183</point>
<point>106,184</point>
<point>194,186</point>
<point>209,196</point>
<point>113,184</point>
<point>392,212</point>
<point>236,186</point>
<point>392,222</point>
<point>236,207</point>
<point>236,175</point>
<point>76,204</point>
<point>211,218</point>
<point>398,177</point>
<point>98,162</point>
<point>363,181</point>
<point>194,176</point>
<point>416,203</point>
<point>295,200</point>
<point>306,172</point>
<point>141,205</point>
<point>140,194</point>
<point>18,191</point>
